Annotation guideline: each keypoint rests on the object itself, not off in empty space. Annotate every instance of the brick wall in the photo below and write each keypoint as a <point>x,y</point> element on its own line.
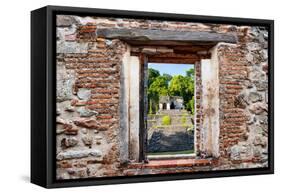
<point>198,108</point>
<point>88,98</point>
<point>243,100</point>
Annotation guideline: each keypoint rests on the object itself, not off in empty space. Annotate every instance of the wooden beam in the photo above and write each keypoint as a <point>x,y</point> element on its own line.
<point>192,48</point>
<point>143,108</point>
<point>179,56</point>
<point>172,60</point>
<point>165,42</point>
<point>144,35</point>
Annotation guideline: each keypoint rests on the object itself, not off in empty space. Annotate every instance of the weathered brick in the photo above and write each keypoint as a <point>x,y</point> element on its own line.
<point>97,68</point>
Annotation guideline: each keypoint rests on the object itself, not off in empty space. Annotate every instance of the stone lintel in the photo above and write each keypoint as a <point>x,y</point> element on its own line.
<point>137,36</point>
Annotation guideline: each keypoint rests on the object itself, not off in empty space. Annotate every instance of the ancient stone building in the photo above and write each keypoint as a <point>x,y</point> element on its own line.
<point>101,77</point>
<point>170,102</point>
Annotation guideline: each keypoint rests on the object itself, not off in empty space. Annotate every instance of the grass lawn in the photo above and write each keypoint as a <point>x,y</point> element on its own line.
<point>172,153</point>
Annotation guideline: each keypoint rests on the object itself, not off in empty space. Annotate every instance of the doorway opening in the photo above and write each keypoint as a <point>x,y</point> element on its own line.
<point>170,112</point>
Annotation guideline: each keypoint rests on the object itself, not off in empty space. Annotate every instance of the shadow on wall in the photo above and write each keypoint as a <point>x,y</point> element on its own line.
<point>178,141</point>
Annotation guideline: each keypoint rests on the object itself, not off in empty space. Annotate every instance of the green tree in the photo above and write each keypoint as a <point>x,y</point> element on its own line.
<point>190,88</point>
<point>152,96</point>
<point>159,87</point>
<point>190,73</point>
<point>168,77</point>
<point>190,105</point>
<point>178,86</point>
<point>152,75</point>
<point>184,86</point>
<point>167,85</point>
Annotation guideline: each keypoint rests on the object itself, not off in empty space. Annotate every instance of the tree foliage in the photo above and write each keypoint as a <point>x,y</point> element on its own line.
<point>152,74</point>
<point>159,87</point>
<point>178,86</point>
<point>190,105</point>
<point>167,85</point>
<point>190,73</point>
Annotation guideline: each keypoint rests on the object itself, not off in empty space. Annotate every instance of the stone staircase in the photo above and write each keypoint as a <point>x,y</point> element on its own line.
<point>170,139</point>
<point>173,137</point>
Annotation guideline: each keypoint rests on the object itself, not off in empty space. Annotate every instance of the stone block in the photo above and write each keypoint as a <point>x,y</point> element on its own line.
<point>258,108</point>
<point>90,124</point>
<point>72,47</point>
<point>241,152</point>
<point>87,140</point>
<point>69,142</point>
<point>78,154</point>
<point>84,94</point>
<point>65,82</point>
<point>260,141</point>
<point>65,20</point>
<point>254,97</point>
<point>261,85</point>
<point>84,112</point>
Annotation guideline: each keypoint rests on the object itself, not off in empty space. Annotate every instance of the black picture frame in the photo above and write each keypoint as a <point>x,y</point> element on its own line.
<point>43,89</point>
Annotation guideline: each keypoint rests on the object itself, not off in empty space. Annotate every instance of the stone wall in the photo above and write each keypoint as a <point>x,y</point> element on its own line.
<point>243,100</point>
<point>88,84</point>
<point>89,96</point>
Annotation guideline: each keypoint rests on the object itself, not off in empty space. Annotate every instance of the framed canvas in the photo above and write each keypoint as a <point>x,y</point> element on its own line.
<point>124,96</point>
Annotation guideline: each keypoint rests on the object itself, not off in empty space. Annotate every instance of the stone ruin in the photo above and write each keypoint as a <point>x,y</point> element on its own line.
<point>100,65</point>
<point>171,102</point>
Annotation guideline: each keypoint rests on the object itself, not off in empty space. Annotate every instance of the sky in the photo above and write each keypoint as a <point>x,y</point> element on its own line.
<point>172,69</point>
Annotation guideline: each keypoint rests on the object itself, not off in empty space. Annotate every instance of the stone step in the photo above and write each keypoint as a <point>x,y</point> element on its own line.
<point>168,166</point>
<point>174,163</point>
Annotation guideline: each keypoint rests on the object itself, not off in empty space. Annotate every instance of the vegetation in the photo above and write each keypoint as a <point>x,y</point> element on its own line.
<point>167,85</point>
<point>190,105</point>
<point>150,108</point>
<point>166,120</point>
<point>179,125</point>
<point>183,120</point>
